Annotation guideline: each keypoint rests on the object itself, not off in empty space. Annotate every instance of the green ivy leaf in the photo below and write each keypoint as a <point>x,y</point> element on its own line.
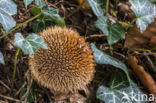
<point>27,2</point>
<point>153,1</point>
<point>30,44</point>
<point>103,24</point>
<point>114,32</point>
<point>144,11</point>
<point>36,10</point>
<point>97,7</point>
<point>1,58</point>
<point>38,25</point>
<point>7,8</point>
<point>50,17</point>
<point>120,92</point>
<point>40,3</point>
<point>103,58</point>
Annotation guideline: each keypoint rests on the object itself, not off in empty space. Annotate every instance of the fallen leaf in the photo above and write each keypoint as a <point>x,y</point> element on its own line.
<point>124,11</point>
<point>145,77</point>
<point>153,41</point>
<point>3,90</point>
<point>136,39</point>
<point>85,5</point>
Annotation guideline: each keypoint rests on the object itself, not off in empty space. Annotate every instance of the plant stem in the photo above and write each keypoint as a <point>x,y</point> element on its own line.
<point>14,72</point>
<point>133,21</point>
<point>125,24</point>
<point>3,32</point>
<point>20,25</point>
<point>107,7</point>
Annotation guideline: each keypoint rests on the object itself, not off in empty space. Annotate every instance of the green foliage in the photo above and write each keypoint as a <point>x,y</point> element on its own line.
<point>27,2</point>
<point>40,3</point>
<point>120,86</point>
<point>97,7</point>
<point>7,8</point>
<point>1,58</point>
<point>49,17</point>
<point>153,1</point>
<point>114,32</point>
<point>30,96</point>
<point>103,24</point>
<point>103,58</point>
<point>119,91</point>
<point>29,44</point>
<point>144,11</point>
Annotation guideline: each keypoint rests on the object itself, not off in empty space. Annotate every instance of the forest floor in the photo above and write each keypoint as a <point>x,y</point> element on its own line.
<point>82,21</point>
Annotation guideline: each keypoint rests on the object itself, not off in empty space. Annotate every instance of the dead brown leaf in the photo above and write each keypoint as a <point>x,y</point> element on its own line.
<point>3,90</point>
<point>136,39</point>
<point>85,5</point>
<point>145,77</point>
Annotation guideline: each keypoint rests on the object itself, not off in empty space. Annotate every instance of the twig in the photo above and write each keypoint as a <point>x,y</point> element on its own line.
<point>77,9</point>
<point>95,36</point>
<point>4,85</point>
<point>47,93</point>
<point>153,68</point>
<point>12,99</point>
<point>20,88</point>
<point>20,25</point>
<point>25,96</point>
<point>50,4</point>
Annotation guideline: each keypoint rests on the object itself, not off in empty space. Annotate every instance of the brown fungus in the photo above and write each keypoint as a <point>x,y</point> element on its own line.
<point>67,65</point>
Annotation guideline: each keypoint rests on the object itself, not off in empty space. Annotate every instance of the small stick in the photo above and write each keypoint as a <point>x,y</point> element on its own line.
<point>153,68</point>
<point>4,85</point>
<point>76,10</point>
<point>20,88</point>
<point>10,98</point>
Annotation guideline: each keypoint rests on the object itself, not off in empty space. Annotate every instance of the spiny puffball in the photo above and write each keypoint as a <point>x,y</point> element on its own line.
<point>67,65</point>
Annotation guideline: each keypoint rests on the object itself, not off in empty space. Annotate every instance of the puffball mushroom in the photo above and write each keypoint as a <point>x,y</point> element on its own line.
<point>67,65</point>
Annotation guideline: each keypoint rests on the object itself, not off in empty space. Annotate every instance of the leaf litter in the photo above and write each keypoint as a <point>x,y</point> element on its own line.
<point>83,23</point>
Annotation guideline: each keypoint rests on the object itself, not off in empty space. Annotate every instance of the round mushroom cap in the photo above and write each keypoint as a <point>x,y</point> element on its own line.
<point>67,65</point>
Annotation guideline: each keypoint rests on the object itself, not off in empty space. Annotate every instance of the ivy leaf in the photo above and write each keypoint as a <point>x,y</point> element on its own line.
<point>36,10</point>
<point>103,24</point>
<point>97,7</point>
<point>1,58</point>
<point>153,1</point>
<point>27,2</point>
<point>30,44</point>
<point>119,92</point>
<point>50,17</point>
<point>103,58</point>
<point>114,32</point>
<point>40,3</point>
<point>144,11</point>
<point>38,25</point>
<point>7,8</point>
<point>52,14</point>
